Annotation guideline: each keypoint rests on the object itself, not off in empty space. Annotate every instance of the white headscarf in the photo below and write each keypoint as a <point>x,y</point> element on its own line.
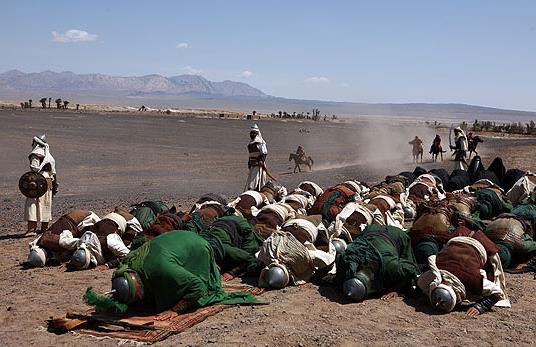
<point>259,139</point>
<point>41,149</point>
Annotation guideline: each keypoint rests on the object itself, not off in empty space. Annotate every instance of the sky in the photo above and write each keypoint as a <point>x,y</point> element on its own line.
<point>474,52</point>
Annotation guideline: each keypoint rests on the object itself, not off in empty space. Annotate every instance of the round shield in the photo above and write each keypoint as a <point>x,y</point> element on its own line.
<point>33,185</point>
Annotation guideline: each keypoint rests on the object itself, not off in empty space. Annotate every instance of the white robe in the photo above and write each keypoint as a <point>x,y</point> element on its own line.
<point>257,177</point>
<point>40,209</point>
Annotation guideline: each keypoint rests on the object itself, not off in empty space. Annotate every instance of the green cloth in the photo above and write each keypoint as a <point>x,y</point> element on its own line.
<point>196,223</point>
<point>424,248</point>
<point>179,265</point>
<point>529,245</point>
<point>510,256</point>
<point>398,267</point>
<point>527,212</point>
<point>489,204</point>
<point>240,252</point>
<point>506,251</point>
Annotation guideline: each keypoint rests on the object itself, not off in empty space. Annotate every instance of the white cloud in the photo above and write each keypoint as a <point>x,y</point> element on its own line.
<point>317,79</point>
<point>73,35</point>
<point>345,85</point>
<point>182,45</point>
<point>246,74</point>
<point>192,71</point>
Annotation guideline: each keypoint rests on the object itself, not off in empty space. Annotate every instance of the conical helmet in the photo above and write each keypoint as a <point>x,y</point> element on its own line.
<point>36,258</point>
<point>354,289</point>
<point>443,298</point>
<point>277,277</point>
<point>339,244</point>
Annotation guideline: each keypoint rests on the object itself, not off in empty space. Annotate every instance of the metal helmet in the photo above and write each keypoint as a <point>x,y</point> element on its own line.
<point>408,212</point>
<point>128,288</point>
<point>339,244</point>
<point>80,259</point>
<point>36,258</point>
<point>443,299</point>
<point>354,289</point>
<point>40,139</point>
<point>276,277</point>
<point>121,289</point>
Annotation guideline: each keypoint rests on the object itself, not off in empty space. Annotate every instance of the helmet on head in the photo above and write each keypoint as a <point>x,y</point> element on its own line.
<point>277,277</point>
<point>254,128</point>
<point>37,257</point>
<point>41,139</point>
<point>354,289</point>
<point>443,298</point>
<point>81,258</point>
<point>339,244</point>
<point>408,212</point>
<point>128,288</point>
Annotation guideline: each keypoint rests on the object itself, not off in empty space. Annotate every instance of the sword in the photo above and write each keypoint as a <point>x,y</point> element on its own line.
<point>268,172</point>
<point>450,137</point>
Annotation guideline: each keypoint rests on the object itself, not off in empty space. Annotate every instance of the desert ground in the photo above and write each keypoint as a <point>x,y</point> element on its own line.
<point>117,159</point>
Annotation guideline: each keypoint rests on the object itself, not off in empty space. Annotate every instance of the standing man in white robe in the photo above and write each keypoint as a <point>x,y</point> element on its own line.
<point>460,149</point>
<point>257,160</point>
<point>39,210</point>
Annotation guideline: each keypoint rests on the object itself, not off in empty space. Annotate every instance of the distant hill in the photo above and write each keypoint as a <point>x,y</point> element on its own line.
<point>192,91</point>
<point>137,85</point>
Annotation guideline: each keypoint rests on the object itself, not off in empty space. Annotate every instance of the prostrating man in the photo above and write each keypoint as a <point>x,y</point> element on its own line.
<point>105,242</point>
<point>467,268</point>
<point>176,270</point>
<point>58,242</point>
<point>379,258</point>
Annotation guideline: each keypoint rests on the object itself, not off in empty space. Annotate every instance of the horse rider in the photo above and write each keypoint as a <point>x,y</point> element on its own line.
<point>460,148</point>
<point>257,177</point>
<point>417,147</point>
<point>300,152</point>
<point>469,139</point>
<point>436,147</point>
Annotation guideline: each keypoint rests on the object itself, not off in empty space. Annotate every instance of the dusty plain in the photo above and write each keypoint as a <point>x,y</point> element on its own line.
<point>117,159</point>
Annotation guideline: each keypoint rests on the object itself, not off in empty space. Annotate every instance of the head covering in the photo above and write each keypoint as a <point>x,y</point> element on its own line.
<point>41,149</point>
<point>258,138</point>
<point>316,187</point>
<point>119,220</point>
<point>41,139</point>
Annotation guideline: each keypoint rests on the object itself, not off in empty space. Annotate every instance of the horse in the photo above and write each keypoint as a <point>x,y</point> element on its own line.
<point>436,150</point>
<point>299,160</point>
<point>473,144</point>
<point>417,151</point>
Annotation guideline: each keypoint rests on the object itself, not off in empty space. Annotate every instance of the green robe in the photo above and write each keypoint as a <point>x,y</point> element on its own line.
<point>489,204</point>
<point>239,251</point>
<point>179,265</point>
<point>397,266</point>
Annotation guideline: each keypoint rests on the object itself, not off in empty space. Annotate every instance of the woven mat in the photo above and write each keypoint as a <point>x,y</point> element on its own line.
<point>138,325</point>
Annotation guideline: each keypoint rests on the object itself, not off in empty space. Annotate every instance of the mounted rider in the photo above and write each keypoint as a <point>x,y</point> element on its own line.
<point>300,152</point>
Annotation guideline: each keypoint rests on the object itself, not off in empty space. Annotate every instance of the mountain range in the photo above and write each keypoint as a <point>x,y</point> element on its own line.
<point>136,85</point>
<point>193,91</point>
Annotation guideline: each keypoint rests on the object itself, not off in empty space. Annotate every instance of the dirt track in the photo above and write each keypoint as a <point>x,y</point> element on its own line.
<point>106,160</point>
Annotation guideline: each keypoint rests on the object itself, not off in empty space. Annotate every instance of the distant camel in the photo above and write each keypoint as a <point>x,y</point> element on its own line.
<point>299,160</point>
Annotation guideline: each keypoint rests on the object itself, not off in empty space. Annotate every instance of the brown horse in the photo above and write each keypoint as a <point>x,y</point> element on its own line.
<point>300,160</point>
<point>473,144</point>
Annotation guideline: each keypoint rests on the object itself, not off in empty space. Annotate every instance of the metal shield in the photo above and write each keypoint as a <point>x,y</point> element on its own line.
<point>33,184</point>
